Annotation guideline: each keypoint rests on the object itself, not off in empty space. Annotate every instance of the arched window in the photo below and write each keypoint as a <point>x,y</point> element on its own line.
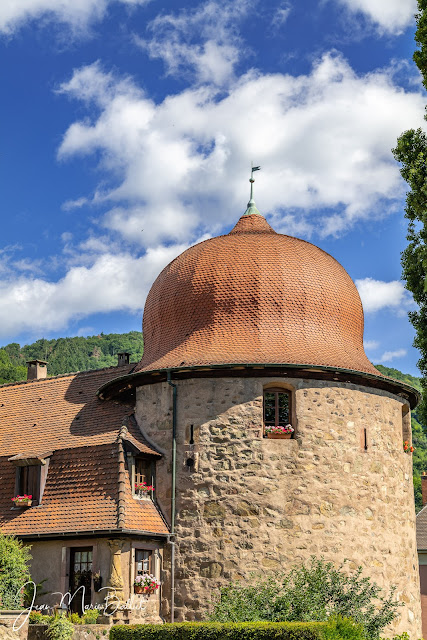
<point>277,407</point>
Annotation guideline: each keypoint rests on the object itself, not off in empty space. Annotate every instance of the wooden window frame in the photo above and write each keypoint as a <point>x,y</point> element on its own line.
<point>31,479</point>
<point>277,390</point>
<point>150,560</point>
<point>151,476</point>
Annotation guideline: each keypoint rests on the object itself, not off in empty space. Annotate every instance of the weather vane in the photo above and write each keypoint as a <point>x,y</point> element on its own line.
<point>252,180</point>
<point>251,209</point>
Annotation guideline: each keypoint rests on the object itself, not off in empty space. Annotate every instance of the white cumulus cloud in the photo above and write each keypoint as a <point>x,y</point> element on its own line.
<point>203,40</point>
<point>388,356</point>
<point>110,283</point>
<point>178,167</point>
<point>391,16</point>
<point>76,13</point>
<point>376,294</point>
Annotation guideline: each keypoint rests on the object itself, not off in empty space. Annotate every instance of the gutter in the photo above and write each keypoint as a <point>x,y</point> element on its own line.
<point>130,379</point>
<point>173,495</point>
<point>91,533</point>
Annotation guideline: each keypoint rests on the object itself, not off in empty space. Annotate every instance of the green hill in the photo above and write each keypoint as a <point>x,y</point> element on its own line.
<point>66,355</point>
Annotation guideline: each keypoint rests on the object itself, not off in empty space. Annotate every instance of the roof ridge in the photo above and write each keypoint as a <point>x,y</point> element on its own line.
<point>121,502</point>
<point>63,375</point>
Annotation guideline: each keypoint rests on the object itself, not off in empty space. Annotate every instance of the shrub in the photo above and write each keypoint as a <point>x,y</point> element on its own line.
<point>90,616</point>
<point>14,572</point>
<point>220,631</point>
<point>60,628</point>
<point>308,593</point>
<point>37,617</point>
<point>339,628</point>
<point>75,618</point>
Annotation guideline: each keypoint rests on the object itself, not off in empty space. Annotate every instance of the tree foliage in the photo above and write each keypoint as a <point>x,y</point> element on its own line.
<point>14,572</point>
<point>312,592</point>
<point>66,355</point>
<point>411,152</point>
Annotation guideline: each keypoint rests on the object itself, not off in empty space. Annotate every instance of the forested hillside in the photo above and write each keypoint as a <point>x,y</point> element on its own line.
<point>66,355</point>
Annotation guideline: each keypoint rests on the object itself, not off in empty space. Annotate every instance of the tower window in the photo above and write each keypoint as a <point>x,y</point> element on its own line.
<point>277,407</point>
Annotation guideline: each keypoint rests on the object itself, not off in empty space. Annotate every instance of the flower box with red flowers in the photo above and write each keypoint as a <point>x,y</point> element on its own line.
<point>22,501</point>
<point>145,584</point>
<point>407,448</point>
<point>143,490</point>
<point>279,433</point>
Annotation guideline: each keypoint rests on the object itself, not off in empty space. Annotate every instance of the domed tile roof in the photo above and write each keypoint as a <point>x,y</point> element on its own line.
<point>254,296</point>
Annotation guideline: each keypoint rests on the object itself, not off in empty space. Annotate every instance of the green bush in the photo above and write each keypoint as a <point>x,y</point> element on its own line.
<point>309,593</point>
<point>220,631</point>
<point>60,628</point>
<point>37,617</point>
<point>339,628</point>
<point>90,616</point>
<point>14,572</point>
<point>75,618</point>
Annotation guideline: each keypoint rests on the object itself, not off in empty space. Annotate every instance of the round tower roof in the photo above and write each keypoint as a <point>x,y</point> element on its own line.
<point>254,296</point>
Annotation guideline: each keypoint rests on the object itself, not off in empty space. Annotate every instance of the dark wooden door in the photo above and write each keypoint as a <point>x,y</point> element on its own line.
<point>80,576</point>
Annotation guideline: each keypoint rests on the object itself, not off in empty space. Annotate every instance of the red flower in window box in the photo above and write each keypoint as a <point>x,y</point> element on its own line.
<point>146,584</point>
<point>22,501</point>
<point>407,448</point>
<point>279,432</point>
<point>143,489</point>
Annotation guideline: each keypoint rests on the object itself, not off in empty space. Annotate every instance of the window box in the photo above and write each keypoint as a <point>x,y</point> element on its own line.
<point>22,501</point>
<point>279,436</point>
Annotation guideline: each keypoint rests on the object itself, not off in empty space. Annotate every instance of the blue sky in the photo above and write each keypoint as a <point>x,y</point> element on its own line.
<point>127,132</point>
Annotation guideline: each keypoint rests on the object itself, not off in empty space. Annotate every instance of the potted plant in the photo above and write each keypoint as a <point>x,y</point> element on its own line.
<point>407,448</point>
<point>22,501</point>
<point>279,432</point>
<point>145,584</point>
<point>143,490</point>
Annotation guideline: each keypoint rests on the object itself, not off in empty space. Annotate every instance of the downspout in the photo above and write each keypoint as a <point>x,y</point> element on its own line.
<point>171,539</point>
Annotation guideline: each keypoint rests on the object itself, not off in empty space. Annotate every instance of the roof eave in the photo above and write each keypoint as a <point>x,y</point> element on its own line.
<point>129,381</point>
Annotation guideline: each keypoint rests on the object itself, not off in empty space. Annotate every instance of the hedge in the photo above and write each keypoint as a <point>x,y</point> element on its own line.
<point>220,631</point>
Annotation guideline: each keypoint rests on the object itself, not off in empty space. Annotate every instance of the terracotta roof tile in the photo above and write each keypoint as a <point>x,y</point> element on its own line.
<point>254,296</point>
<point>63,417</point>
<point>62,412</point>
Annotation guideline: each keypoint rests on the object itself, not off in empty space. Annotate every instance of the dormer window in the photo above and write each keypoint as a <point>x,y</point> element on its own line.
<point>144,477</point>
<point>277,408</point>
<point>30,476</point>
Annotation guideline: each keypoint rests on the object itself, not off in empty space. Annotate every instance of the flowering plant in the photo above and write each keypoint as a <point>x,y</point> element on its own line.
<point>407,448</point>
<point>143,488</point>
<point>147,582</point>
<point>22,499</point>
<point>278,430</point>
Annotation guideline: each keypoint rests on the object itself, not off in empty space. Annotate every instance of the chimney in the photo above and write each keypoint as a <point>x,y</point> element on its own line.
<point>424,487</point>
<point>36,369</point>
<point>123,358</point>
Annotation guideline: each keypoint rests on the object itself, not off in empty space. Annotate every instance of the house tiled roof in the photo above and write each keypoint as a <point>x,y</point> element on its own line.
<point>254,296</point>
<point>63,417</point>
<point>422,529</point>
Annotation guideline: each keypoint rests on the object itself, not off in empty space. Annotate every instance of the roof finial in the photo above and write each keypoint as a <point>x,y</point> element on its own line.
<point>251,209</point>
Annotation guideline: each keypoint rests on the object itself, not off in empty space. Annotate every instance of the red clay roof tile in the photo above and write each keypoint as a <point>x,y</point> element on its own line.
<point>254,296</point>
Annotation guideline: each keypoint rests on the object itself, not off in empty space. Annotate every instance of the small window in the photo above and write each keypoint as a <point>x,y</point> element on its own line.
<point>143,471</point>
<point>28,482</point>
<point>277,407</point>
<point>143,561</point>
<point>406,423</point>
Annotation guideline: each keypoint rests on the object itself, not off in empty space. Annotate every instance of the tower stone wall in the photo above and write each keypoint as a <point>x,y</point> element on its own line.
<point>250,504</point>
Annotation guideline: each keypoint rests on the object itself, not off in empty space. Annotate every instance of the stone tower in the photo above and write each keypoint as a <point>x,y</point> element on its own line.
<point>250,330</point>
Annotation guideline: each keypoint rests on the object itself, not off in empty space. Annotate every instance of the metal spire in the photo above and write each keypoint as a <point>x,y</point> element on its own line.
<point>251,208</point>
